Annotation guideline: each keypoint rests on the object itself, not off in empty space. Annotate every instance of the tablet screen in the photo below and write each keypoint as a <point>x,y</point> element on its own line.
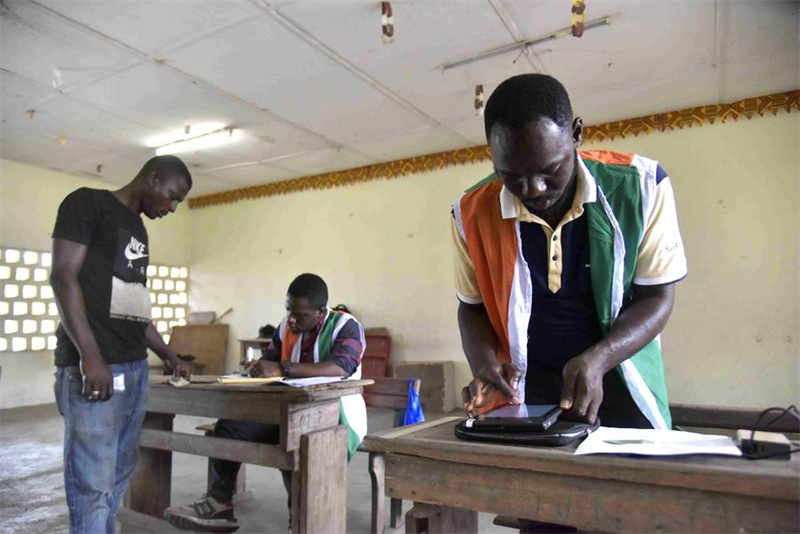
<point>514,411</point>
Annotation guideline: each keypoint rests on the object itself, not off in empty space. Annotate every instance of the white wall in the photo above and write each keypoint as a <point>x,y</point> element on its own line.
<point>29,200</point>
<point>384,249</point>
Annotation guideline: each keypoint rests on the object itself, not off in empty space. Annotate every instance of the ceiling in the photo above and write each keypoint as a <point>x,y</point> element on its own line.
<point>313,89</point>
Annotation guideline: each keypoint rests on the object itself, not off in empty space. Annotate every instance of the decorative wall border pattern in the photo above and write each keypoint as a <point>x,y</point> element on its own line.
<point>697,116</point>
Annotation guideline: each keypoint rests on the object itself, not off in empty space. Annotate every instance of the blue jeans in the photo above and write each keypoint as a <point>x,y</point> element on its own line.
<point>101,442</point>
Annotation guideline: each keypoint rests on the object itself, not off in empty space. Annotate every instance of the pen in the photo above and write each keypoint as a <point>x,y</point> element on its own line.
<point>627,441</point>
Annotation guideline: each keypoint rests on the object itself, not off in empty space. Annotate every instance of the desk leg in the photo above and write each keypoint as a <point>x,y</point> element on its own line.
<point>377,473</point>
<point>322,503</point>
<point>151,484</point>
<point>444,519</point>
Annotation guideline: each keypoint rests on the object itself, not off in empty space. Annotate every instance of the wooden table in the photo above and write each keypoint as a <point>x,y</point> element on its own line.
<point>312,444</point>
<point>450,480</point>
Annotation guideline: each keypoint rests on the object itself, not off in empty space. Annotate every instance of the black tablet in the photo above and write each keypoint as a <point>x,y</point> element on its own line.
<point>516,418</point>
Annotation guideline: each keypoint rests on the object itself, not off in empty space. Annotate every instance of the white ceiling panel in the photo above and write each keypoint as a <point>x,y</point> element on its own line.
<point>153,26</point>
<point>154,94</point>
<point>32,147</point>
<point>419,142</point>
<point>744,79</point>
<point>114,169</point>
<point>43,48</point>
<point>638,47</point>
<point>273,140</point>
<point>759,29</point>
<point>74,120</point>
<point>294,101</point>
<point>305,86</point>
<point>471,129</point>
<point>20,94</point>
<point>324,161</point>
<point>663,95</point>
<point>212,157</point>
<point>427,35</point>
<point>248,175</point>
<point>150,92</point>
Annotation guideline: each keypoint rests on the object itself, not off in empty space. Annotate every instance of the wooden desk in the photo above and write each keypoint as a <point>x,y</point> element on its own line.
<point>312,444</point>
<point>451,479</point>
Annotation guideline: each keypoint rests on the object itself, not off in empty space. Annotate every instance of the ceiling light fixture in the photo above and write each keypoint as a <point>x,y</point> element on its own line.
<point>209,140</point>
<point>480,104</point>
<point>387,23</point>
<point>523,45</point>
<point>578,18</point>
<point>184,133</point>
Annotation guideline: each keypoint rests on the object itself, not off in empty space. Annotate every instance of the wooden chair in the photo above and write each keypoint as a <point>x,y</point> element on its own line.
<point>375,362</point>
<point>388,393</point>
<point>703,416</point>
<point>206,342</point>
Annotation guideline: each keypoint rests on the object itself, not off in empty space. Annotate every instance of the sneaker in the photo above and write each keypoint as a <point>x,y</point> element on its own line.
<point>206,515</point>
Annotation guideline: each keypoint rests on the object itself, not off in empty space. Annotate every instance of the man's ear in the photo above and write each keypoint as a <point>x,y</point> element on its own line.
<point>577,131</point>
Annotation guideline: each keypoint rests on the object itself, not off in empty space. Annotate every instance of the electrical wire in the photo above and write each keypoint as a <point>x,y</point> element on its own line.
<point>791,410</point>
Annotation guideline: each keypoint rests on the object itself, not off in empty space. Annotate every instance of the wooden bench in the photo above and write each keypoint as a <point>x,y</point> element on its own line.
<point>702,416</point>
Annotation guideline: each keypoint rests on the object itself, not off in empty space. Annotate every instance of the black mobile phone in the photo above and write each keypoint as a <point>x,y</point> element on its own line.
<point>517,418</point>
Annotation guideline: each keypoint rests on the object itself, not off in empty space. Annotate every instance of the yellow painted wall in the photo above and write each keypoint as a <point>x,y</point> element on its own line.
<point>734,336</point>
<point>384,249</point>
<point>29,200</point>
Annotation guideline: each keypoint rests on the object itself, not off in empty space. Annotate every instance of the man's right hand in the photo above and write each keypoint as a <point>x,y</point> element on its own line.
<point>98,384</point>
<point>491,378</point>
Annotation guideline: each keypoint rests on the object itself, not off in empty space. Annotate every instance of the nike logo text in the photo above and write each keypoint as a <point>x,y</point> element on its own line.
<point>134,251</point>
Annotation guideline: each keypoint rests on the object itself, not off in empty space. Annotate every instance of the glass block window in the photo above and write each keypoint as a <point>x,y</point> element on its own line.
<point>28,312</point>
<point>169,294</point>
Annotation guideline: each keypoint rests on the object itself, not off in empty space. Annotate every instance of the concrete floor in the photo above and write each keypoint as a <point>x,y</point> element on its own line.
<point>32,483</point>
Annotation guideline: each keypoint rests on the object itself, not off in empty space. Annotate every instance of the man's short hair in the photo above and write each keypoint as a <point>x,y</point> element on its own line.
<point>526,98</point>
<point>168,167</point>
<point>310,287</point>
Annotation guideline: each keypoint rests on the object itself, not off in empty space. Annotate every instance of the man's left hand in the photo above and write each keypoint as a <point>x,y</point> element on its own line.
<point>179,367</point>
<point>582,393</point>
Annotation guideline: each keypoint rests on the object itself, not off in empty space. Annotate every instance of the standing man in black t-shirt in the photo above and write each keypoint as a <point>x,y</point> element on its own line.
<point>100,258</point>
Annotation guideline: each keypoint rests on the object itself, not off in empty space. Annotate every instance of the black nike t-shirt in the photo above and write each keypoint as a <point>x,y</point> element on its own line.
<point>113,278</point>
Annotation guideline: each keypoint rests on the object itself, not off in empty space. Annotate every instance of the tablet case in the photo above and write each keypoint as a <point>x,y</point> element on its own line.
<point>559,434</point>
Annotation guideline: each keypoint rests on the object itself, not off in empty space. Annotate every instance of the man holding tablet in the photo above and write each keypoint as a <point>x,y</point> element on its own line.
<point>565,264</point>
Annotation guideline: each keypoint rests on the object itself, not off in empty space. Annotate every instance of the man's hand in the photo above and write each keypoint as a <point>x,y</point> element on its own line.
<point>98,384</point>
<point>264,369</point>
<point>179,367</point>
<point>487,382</point>
<point>582,393</point>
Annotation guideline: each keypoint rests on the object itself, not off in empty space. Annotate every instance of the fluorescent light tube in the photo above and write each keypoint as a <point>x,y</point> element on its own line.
<point>564,32</point>
<point>210,140</point>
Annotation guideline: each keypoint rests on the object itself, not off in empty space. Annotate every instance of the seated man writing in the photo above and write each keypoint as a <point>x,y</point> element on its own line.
<point>312,340</point>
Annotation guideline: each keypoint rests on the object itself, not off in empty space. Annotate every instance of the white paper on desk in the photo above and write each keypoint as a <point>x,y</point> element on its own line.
<point>312,381</point>
<point>649,442</point>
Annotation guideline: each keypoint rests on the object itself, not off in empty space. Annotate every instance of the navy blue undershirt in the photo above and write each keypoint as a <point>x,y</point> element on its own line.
<point>562,324</point>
